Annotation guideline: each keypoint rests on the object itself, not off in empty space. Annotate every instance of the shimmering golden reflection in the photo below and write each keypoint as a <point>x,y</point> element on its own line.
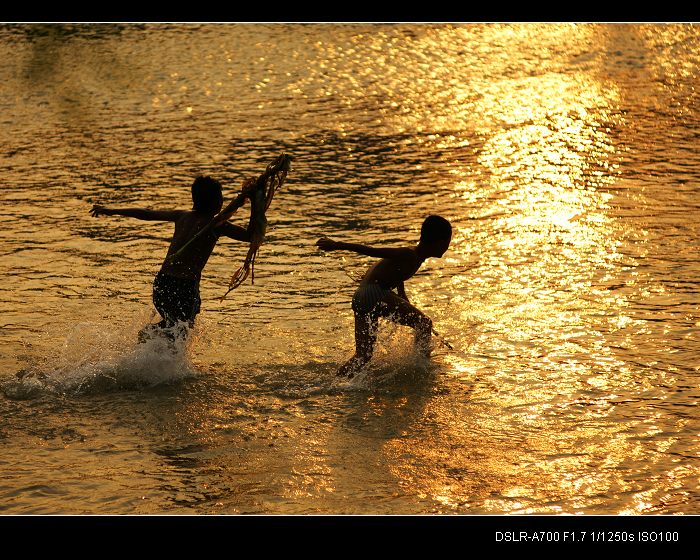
<point>549,239</point>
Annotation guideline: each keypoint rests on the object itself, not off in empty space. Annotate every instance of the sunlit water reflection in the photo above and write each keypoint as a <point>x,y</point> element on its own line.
<point>565,157</point>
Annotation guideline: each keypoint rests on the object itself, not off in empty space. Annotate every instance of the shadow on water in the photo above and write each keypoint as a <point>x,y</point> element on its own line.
<point>74,78</point>
<point>242,440</point>
<point>62,31</point>
<point>260,441</point>
<point>306,434</point>
<point>48,41</point>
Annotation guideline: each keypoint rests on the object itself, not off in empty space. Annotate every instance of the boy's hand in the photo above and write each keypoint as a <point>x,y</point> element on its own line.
<point>326,244</point>
<point>248,187</point>
<point>98,210</point>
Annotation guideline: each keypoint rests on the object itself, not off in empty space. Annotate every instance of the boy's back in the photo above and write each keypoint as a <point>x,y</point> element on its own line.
<point>192,262</point>
<point>391,272</point>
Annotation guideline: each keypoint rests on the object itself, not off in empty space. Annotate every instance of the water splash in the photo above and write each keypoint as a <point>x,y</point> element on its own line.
<point>97,358</point>
<point>396,365</point>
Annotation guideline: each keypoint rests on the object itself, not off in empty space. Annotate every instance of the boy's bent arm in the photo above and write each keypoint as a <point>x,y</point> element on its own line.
<point>379,252</point>
<point>234,232</point>
<point>237,232</point>
<point>138,213</point>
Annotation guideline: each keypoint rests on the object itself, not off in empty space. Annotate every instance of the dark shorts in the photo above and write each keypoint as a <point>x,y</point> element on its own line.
<point>176,299</point>
<point>367,298</point>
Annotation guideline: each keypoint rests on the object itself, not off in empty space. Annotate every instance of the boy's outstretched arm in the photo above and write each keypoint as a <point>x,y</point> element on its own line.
<point>327,244</point>
<point>138,213</point>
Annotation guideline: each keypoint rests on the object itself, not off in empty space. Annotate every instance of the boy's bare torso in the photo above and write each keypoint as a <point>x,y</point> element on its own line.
<point>391,272</point>
<point>192,262</point>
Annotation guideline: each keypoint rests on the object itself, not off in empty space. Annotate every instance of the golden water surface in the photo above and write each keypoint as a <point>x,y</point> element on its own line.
<point>565,157</point>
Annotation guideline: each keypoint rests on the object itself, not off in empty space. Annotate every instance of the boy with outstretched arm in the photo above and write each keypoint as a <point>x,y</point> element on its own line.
<point>176,286</point>
<point>374,298</point>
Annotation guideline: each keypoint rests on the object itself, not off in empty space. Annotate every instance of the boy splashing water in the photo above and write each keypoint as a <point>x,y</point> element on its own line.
<point>176,286</point>
<point>374,298</point>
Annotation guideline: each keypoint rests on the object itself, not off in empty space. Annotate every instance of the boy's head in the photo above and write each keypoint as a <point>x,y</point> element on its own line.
<point>435,235</point>
<point>206,195</point>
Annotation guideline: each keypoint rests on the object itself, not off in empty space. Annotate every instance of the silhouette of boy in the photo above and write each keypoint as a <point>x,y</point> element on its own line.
<point>374,297</point>
<point>176,286</point>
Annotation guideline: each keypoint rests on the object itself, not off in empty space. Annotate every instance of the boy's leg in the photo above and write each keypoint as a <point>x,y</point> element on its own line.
<point>365,337</point>
<point>178,303</point>
<point>402,312</point>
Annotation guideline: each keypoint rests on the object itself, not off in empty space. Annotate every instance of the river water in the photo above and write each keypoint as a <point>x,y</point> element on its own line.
<point>566,157</point>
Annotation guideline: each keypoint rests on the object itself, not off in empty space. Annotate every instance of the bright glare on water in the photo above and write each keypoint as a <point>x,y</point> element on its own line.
<point>565,157</point>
